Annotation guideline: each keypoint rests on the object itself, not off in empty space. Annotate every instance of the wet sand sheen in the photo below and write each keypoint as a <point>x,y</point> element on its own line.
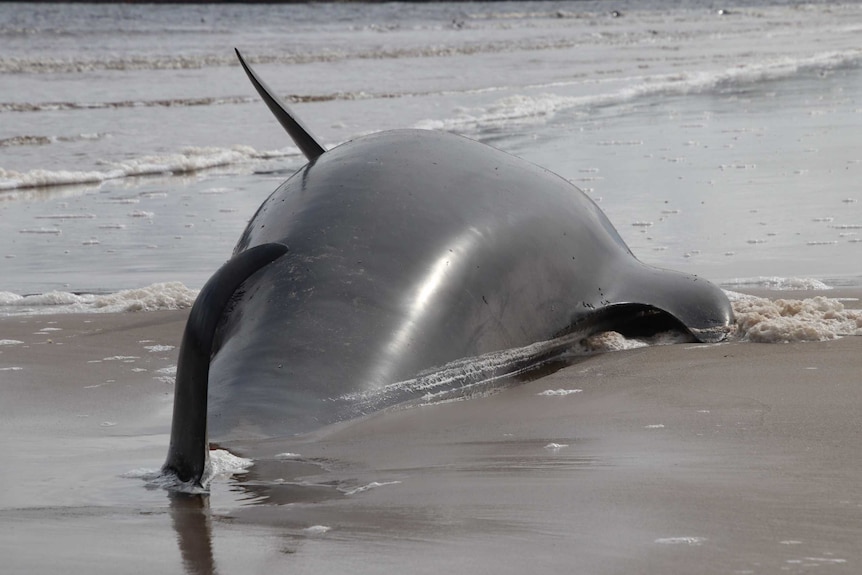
<point>722,458</point>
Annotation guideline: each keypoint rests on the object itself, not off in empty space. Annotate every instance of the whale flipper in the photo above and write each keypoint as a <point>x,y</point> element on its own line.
<point>301,135</point>
<point>188,455</point>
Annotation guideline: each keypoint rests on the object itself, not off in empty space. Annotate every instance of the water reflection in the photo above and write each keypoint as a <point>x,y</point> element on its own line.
<point>271,482</point>
<point>191,519</point>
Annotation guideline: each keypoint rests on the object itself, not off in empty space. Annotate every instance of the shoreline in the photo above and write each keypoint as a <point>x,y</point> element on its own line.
<point>733,456</point>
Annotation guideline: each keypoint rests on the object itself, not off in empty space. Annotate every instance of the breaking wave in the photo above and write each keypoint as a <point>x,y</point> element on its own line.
<point>776,283</point>
<point>183,62</point>
<point>158,296</point>
<point>524,108</point>
<point>27,140</point>
<point>188,160</point>
<point>163,103</point>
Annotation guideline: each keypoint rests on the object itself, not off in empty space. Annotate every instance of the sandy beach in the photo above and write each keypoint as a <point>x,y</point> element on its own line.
<point>728,458</point>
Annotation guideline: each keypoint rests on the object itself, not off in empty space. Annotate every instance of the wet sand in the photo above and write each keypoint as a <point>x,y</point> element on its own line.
<point>729,458</point>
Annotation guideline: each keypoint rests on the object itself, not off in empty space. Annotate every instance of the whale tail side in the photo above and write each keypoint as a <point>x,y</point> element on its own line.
<point>301,135</point>
<point>188,454</point>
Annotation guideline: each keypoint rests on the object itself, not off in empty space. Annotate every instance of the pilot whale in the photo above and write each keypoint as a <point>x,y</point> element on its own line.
<point>382,266</point>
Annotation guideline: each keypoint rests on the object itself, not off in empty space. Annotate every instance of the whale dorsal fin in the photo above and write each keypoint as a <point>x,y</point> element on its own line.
<point>302,137</point>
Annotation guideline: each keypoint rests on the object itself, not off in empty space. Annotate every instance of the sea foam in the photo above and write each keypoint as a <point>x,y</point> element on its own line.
<point>521,109</point>
<point>158,296</point>
<point>222,464</point>
<point>788,320</point>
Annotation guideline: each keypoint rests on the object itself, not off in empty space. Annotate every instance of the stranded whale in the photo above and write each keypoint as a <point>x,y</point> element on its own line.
<point>382,266</point>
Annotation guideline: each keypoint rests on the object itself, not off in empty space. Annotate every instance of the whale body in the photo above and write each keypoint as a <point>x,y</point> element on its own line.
<point>390,260</point>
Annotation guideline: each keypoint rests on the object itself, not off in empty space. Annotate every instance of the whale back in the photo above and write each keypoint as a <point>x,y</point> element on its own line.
<point>407,250</point>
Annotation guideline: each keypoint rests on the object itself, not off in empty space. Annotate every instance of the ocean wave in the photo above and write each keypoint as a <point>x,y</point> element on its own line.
<point>524,15</point>
<point>72,65</point>
<point>155,297</point>
<point>29,140</point>
<point>513,109</point>
<point>163,103</point>
<point>52,65</point>
<point>185,102</point>
<point>190,159</point>
<point>775,283</point>
<point>525,109</point>
<point>25,141</point>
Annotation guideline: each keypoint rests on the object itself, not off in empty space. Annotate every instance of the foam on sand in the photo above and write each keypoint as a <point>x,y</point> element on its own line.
<point>787,320</point>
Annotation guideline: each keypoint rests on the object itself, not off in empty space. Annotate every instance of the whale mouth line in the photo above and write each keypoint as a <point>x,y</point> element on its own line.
<point>632,320</point>
<point>470,376</point>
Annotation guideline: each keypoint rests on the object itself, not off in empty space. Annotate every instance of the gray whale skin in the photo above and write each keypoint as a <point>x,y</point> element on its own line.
<point>385,260</point>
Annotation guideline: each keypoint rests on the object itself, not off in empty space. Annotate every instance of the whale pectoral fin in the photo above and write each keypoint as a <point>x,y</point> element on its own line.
<point>188,454</point>
<point>301,135</point>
